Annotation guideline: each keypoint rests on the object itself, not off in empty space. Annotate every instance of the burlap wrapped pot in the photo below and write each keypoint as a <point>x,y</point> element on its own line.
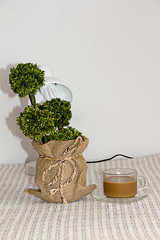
<point>61,171</point>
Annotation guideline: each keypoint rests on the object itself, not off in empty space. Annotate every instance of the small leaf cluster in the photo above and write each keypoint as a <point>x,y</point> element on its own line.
<point>65,134</point>
<point>36,122</point>
<point>61,111</point>
<point>25,79</point>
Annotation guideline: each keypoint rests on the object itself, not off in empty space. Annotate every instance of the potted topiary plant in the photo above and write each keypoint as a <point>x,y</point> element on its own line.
<point>60,168</point>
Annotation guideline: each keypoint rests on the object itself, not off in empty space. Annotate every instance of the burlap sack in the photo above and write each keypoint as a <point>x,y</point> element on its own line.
<point>61,171</point>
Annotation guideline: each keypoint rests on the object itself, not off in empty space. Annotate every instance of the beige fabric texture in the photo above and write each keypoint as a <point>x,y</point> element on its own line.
<point>61,171</point>
<point>25,217</point>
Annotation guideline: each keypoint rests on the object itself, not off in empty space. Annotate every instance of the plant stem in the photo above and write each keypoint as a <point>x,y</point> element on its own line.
<point>60,126</point>
<point>44,139</point>
<point>32,99</point>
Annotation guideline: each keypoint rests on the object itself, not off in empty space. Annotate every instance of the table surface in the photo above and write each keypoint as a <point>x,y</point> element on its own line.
<point>23,216</point>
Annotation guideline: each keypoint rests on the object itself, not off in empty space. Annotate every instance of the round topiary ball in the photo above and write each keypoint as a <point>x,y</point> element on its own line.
<point>61,111</point>
<point>25,79</point>
<point>65,134</point>
<point>36,122</point>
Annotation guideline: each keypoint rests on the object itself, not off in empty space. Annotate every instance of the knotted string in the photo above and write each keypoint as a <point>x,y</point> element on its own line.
<point>60,162</point>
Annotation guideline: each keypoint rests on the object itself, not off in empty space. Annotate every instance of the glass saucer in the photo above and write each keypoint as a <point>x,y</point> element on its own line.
<point>98,194</point>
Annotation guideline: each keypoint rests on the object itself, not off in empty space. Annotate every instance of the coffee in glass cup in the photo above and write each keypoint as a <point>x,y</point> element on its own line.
<point>121,182</point>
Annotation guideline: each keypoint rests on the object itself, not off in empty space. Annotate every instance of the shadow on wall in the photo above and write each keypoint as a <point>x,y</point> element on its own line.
<point>11,119</point>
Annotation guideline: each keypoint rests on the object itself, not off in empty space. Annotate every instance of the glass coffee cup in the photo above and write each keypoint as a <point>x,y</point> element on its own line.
<point>122,182</point>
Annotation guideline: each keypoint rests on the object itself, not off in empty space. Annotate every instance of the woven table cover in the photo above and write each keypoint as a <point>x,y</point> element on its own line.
<point>23,216</point>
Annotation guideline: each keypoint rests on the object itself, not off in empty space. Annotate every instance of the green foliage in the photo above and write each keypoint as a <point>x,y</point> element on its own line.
<point>65,134</point>
<point>40,121</point>
<point>25,79</point>
<point>61,111</point>
<point>36,122</point>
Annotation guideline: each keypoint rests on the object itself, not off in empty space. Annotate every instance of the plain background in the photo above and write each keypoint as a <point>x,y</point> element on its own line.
<point>106,51</point>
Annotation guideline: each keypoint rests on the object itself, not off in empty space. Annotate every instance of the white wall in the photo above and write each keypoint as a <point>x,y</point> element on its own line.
<point>106,51</point>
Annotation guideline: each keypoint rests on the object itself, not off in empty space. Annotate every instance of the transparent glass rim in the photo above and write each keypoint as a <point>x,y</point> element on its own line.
<point>122,171</point>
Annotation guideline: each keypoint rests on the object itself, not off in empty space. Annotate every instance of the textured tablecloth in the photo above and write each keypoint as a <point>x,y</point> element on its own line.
<point>23,216</point>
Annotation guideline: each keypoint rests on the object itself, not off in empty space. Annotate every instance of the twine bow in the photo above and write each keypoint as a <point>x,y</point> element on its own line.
<point>60,162</point>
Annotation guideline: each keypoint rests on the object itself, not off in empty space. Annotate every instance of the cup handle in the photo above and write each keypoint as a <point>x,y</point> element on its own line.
<point>142,182</point>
